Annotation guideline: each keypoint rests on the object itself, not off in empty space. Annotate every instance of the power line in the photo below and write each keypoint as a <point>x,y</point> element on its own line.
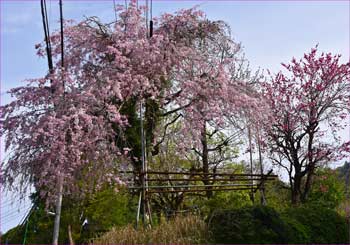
<point>27,223</point>
<point>147,10</point>
<point>115,11</point>
<point>11,218</point>
<point>17,206</point>
<point>47,34</point>
<point>12,201</point>
<point>20,223</point>
<point>62,40</point>
<point>151,21</point>
<point>7,201</point>
<point>8,214</point>
<point>50,13</point>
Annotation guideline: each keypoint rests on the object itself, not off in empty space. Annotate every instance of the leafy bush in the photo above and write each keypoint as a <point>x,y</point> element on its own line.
<point>297,233</point>
<point>277,194</point>
<point>328,189</point>
<point>322,225</point>
<point>261,225</point>
<point>180,230</point>
<point>103,210</point>
<point>223,200</point>
<point>248,225</point>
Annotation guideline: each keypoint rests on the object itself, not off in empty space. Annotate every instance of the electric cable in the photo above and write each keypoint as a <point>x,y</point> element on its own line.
<point>47,34</point>
<point>151,20</point>
<point>10,218</point>
<point>12,213</point>
<point>115,11</point>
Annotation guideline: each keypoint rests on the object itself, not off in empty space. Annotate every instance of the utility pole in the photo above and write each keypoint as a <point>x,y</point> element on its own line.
<point>53,90</point>
<point>143,205</point>
<point>143,201</point>
<point>144,168</point>
<point>251,162</point>
<point>262,189</point>
<point>56,228</point>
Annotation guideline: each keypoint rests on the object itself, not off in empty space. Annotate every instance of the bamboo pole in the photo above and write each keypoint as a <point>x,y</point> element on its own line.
<point>216,180</point>
<point>196,174</point>
<point>198,190</point>
<point>186,186</point>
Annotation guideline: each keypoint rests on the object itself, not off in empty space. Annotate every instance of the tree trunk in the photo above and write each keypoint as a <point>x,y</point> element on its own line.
<point>295,198</point>
<point>205,160</point>
<point>308,183</point>
<point>296,187</point>
<point>311,165</point>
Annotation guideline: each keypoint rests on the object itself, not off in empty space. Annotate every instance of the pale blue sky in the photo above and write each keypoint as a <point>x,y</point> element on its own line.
<point>271,32</point>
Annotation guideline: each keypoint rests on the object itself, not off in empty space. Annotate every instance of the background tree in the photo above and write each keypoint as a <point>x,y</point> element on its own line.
<point>344,176</point>
<point>328,189</point>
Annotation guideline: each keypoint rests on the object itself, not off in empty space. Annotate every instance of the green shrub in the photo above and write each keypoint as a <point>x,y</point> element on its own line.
<point>223,200</point>
<point>248,225</point>
<point>322,225</point>
<point>261,225</point>
<point>297,233</point>
<point>328,189</point>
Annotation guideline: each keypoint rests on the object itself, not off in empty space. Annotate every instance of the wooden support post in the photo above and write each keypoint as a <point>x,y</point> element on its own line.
<point>70,237</point>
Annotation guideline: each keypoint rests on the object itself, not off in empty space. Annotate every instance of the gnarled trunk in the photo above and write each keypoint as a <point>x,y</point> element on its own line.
<point>296,190</point>
<point>205,161</point>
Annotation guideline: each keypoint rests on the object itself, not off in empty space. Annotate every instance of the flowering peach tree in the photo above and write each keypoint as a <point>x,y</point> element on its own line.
<point>308,106</point>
